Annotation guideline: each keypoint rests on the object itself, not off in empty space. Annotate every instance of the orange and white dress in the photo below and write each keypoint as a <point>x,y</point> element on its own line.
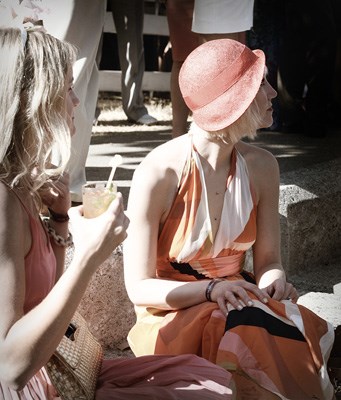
<point>281,346</point>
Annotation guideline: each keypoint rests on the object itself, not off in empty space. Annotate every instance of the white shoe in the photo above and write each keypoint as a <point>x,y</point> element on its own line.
<point>146,119</point>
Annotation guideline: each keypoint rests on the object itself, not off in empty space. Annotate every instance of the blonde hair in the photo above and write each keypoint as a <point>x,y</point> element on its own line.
<point>32,113</point>
<point>245,126</point>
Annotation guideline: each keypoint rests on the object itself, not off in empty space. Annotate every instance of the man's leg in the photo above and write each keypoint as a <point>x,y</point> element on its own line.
<point>128,17</point>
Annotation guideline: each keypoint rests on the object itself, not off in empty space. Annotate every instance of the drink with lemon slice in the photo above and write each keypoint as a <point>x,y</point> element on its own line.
<point>97,198</point>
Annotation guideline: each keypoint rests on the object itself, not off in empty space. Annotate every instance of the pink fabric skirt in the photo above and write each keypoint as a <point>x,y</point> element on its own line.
<point>184,377</point>
<point>38,388</point>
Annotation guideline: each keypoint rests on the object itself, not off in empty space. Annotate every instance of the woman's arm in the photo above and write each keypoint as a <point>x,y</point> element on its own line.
<point>27,341</point>
<point>268,269</point>
<point>153,189</point>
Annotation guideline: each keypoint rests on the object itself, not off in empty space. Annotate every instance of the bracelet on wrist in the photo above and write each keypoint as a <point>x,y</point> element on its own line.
<point>58,217</point>
<point>210,287</point>
<point>58,239</point>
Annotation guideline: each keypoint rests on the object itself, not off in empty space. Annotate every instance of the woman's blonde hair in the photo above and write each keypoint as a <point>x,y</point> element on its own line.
<point>245,126</point>
<point>32,113</point>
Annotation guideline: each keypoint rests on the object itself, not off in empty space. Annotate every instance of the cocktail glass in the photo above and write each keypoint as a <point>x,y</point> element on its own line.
<point>97,197</point>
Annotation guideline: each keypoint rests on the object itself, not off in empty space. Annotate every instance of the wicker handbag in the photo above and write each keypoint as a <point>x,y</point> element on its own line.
<point>75,365</point>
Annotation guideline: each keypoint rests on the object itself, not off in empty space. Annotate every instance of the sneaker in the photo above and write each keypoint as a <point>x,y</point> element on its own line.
<point>146,119</point>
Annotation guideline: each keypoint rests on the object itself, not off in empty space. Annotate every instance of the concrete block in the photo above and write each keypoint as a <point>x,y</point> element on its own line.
<point>105,304</point>
<point>310,216</point>
<point>325,305</point>
<point>337,290</point>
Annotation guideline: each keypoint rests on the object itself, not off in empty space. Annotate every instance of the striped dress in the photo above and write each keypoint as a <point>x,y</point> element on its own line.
<point>280,346</point>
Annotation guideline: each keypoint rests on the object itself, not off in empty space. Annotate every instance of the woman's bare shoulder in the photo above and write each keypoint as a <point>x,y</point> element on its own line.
<point>14,219</point>
<point>262,167</point>
<point>257,157</point>
<point>167,157</point>
<point>9,202</point>
<point>156,179</point>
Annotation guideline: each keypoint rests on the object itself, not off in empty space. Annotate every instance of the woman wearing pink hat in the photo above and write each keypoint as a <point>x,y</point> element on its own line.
<point>197,204</point>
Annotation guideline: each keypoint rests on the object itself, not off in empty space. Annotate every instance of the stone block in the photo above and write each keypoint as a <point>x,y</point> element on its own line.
<point>310,216</point>
<point>325,305</point>
<point>337,290</point>
<point>105,304</point>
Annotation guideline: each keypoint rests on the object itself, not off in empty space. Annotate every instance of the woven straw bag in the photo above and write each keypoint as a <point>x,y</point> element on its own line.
<point>75,365</point>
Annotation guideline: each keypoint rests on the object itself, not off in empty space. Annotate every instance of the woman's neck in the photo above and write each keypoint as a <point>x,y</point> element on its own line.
<point>213,149</point>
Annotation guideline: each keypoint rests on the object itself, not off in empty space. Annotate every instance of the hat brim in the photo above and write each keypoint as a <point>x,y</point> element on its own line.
<point>228,107</point>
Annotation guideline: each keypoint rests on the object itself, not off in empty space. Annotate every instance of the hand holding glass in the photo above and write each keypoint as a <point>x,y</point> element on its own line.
<point>97,196</point>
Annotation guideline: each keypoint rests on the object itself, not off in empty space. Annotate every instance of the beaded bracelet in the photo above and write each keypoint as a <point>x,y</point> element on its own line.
<point>58,217</point>
<point>58,239</point>
<point>210,287</point>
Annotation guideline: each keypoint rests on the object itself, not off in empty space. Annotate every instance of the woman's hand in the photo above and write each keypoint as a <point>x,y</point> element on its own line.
<point>280,289</point>
<point>235,293</point>
<point>272,280</point>
<point>96,238</point>
<point>55,194</point>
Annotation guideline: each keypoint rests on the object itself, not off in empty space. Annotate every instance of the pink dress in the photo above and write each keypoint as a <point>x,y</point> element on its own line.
<point>148,377</point>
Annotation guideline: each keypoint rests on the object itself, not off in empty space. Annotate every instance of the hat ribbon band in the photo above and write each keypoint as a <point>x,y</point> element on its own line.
<point>222,82</point>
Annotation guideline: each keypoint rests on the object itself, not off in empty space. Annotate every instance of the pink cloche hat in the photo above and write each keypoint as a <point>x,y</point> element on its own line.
<point>219,80</point>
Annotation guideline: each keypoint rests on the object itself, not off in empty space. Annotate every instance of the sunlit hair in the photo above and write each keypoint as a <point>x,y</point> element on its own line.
<point>245,126</point>
<point>32,113</point>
